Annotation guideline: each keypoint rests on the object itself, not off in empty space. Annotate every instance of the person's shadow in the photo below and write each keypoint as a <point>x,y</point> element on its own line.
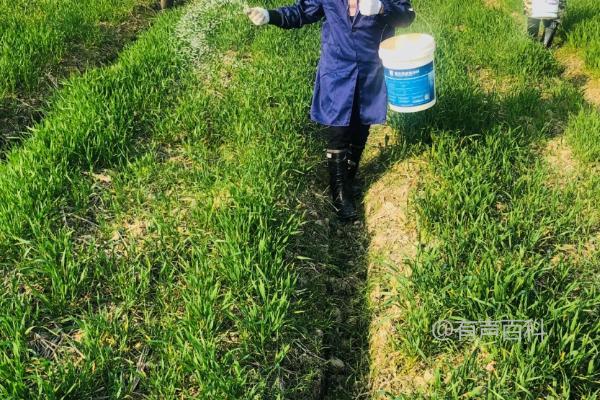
<point>464,110</point>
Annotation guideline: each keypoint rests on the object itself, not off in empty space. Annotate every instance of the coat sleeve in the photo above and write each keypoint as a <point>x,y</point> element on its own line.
<point>295,16</point>
<point>398,13</point>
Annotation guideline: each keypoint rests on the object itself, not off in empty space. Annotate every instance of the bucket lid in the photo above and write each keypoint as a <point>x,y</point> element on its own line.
<point>407,47</point>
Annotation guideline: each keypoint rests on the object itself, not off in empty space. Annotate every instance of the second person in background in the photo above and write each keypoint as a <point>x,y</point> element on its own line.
<point>550,25</point>
<point>349,93</point>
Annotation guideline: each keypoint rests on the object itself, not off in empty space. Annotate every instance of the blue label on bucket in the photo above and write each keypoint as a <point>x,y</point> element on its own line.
<point>410,87</point>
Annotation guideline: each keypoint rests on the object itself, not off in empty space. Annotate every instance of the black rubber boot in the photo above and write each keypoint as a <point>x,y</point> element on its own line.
<point>353,159</point>
<point>339,185</point>
<point>549,34</point>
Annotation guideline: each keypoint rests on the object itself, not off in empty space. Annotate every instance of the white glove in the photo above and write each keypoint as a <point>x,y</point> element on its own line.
<point>369,7</point>
<point>258,16</point>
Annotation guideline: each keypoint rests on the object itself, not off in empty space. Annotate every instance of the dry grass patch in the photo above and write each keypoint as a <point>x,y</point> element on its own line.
<point>494,4</point>
<point>576,71</point>
<point>491,83</point>
<point>561,160</point>
<point>391,225</point>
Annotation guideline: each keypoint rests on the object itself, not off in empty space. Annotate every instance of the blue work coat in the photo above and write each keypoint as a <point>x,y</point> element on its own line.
<point>349,56</point>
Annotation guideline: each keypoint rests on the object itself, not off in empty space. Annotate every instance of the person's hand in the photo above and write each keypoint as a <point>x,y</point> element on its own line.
<point>369,7</point>
<point>258,16</point>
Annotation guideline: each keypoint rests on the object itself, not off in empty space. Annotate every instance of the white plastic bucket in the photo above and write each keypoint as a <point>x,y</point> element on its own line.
<point>408,63</point>
<point>544,9</point>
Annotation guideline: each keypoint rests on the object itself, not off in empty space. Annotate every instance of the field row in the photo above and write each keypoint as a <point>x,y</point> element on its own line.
<point>582,30</point>
<point>146,227</point>
<point>44,41</point>
<point>506,235</point>
<point>151,227</point>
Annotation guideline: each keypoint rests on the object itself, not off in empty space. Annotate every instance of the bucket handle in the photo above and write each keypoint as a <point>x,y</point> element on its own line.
<point>417,15</point>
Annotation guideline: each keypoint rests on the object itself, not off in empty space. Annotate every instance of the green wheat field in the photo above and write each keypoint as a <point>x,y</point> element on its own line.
<point>164,232</point>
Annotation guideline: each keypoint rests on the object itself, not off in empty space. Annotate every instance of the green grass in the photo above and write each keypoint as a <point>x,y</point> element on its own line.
<point>582,26</point>
<point>149,225</point>
<point>583,134</point>
<point>203,301</point>
<point>51,276</point>
<point>37,35</point>
<point>503,233</point>
<point>45,41</point>
<point>498,225</point>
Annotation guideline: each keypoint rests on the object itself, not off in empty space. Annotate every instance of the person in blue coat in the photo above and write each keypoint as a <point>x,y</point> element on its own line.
<point>350,93</point>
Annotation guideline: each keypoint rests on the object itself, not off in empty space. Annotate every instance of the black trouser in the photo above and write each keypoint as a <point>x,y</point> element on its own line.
<point>550,26</point>
<point>533,26</point>
<point>356,134</point>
